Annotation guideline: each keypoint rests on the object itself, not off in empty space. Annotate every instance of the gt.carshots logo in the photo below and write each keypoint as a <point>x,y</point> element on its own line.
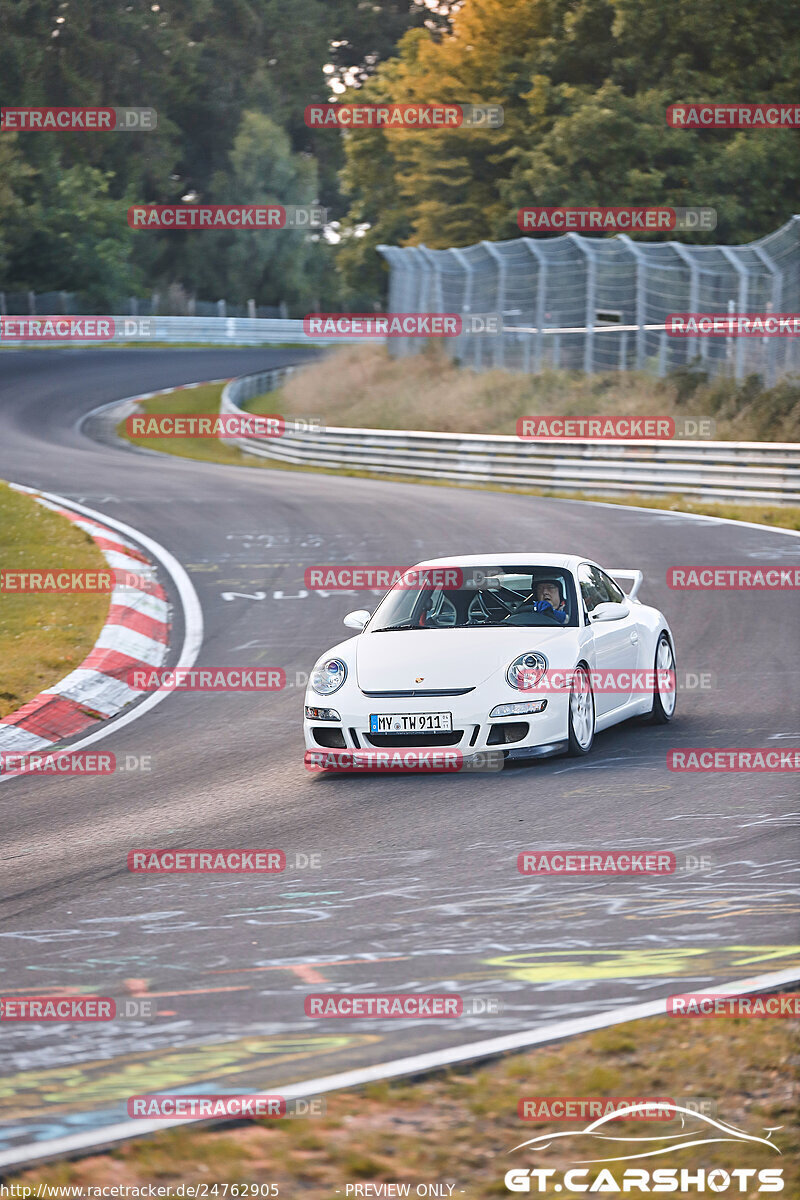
<point>78,120</point>
<point>594,1145</point>
<point>403,116</point>
<point>616,219</point>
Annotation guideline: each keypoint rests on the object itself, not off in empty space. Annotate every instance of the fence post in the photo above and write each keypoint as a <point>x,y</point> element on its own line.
<point>742,303</point>
<point>662,353</point>
<point>32,304</point>
<point>694,296</point>
<point>770,372</point>
<point>251,309</point>
<point>541,292</point>
<point>3,312</point>
<point>466,303</point>
<point>641,298</point>
<point>499,357</point>
<point>221,308</point>
<point>589,311</point>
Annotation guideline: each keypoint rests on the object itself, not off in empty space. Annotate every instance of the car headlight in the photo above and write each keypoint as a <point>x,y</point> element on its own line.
<point>526,671</point>
<point>328,677</point>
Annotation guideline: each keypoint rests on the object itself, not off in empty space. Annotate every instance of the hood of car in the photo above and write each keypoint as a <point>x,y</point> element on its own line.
<point>432,659</point>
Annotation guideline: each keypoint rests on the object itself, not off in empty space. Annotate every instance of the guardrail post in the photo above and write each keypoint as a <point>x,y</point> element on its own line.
<point>251,309</point>
<point>221,308</point>
<point>32,304</point>
<point>3,311</point>
<point>498,359</point>
<point>586,248</point>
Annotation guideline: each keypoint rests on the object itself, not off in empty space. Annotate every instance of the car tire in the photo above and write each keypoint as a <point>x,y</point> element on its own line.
<point>664,701</point>
<point>581,715</point>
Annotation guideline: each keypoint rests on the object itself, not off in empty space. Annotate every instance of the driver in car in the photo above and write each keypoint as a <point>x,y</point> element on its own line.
<point>550,599</point>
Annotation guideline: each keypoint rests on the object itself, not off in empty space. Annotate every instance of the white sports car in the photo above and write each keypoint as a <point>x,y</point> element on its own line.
<point>529,653</point>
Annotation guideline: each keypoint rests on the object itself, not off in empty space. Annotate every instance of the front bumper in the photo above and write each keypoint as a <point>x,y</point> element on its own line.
<point>472,725</point>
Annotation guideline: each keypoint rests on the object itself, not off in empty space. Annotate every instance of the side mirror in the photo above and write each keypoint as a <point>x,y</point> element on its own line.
<point>358,619</point>
<point>609,612</point>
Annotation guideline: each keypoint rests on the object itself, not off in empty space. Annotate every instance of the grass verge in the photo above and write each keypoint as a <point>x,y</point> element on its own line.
<point>461,1124</point>
<point>206,400</point>
<point>43,637</point>
<point>364,386</point>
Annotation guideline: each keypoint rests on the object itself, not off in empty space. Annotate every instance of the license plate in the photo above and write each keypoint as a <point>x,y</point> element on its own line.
<point>440,722</point>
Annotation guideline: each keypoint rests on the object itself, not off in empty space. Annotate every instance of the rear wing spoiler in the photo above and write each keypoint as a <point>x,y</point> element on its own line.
<point>636,577</point>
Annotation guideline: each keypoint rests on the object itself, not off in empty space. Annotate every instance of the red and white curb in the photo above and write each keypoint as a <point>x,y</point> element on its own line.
<point>136,634</point>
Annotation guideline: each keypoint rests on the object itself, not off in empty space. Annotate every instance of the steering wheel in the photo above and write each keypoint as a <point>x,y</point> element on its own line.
<point>502,606</point>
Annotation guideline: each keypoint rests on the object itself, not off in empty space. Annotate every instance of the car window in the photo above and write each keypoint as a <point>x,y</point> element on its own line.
<point>597,587</point>
<point>615,593</point>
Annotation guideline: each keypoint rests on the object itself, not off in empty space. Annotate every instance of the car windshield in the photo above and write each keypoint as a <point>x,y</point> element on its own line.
<point>467,597</point>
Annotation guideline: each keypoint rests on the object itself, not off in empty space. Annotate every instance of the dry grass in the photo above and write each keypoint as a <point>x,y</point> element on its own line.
<point>363,386</point>
<point>460,1125</point>
<point>43,637</point>
<point>302,398</point>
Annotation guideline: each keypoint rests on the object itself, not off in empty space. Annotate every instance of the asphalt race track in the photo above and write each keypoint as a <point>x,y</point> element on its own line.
<point>417,886</point>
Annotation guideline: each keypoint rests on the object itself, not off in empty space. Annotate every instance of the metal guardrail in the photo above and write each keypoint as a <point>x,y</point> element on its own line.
<point>750,472</point>
<point>246,331</point>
